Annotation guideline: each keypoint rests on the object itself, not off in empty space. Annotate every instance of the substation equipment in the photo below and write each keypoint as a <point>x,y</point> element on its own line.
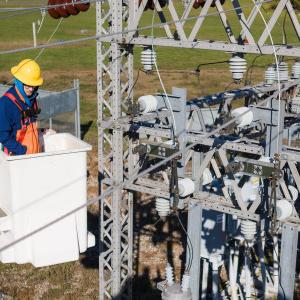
<point>238,181</point>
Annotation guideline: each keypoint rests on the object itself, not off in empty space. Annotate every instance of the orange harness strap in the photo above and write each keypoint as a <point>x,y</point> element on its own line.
<point>23,129</point>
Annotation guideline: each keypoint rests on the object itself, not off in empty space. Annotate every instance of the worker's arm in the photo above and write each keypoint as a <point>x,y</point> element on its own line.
<point>8,129</point>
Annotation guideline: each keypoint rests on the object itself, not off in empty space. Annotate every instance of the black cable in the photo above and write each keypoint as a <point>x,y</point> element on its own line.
<point>247,82</point>
<point>210,63</point>
<point>191,254</point>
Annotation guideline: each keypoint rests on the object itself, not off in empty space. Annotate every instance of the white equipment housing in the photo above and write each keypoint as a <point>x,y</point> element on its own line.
<point>39,189</point>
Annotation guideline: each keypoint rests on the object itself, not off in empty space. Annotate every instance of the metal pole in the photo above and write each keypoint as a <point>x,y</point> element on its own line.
<point>205,270</point>
<point>34,34</point>
<point>77,111</point>
<point>214,260</point>
<point>194,232</point>
<point>288,258</point>
<point>275,263</point>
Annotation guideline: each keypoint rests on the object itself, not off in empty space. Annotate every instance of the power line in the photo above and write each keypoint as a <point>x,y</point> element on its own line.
<point>46,7</point>
<point>30,10</point>
<point>103,37</point>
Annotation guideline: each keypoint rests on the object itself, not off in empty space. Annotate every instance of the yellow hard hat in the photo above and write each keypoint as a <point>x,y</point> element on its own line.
<point>28,72</point>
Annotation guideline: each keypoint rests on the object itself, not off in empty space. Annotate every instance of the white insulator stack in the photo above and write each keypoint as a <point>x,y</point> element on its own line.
<point>148,58</point>
<point>169,275</point>
<point>238,67</point>
<point>296,70</point>
<point>270,75</point>
<point>283,69</point>
<point>248,230</point>
<point>284,209</point>
<point>186,186</point>
<point>185,283</point>
<point>162,206</point>
<point>147,103</point>
<point>244,116</point>
<point>175,291</point>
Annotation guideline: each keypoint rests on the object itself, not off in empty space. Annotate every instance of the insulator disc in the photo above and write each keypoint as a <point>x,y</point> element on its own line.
<point>52,11</point>
<point>198,3</point>
<point>82,6</point>
<point>71,9</point>
<point>62,9</point>
<point>201,3</point>
<point>150,5</point>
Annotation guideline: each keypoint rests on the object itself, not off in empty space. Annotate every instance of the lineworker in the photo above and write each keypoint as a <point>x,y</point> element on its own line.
<point>18,110</point>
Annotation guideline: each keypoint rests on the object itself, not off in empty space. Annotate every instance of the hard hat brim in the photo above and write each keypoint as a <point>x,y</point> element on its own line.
<point>14,72</point>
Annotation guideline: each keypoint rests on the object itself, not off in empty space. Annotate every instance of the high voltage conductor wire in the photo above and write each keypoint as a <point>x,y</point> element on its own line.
<point>30,10</point>
<point>123,185</point>
<point>103,37</point>
<point>46,7</point>
<point>42,50</point>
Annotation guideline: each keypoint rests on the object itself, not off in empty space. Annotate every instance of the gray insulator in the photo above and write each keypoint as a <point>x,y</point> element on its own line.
<point>283,69</point>
<point>162,206</point>
<point>270,75</point>
<point>148,58</point>
<point>174,292</point>
<point>296,70</point>
<point>248,230</point>
<point>185,283</point>
<point>238,67</point>
<point>169,275</point>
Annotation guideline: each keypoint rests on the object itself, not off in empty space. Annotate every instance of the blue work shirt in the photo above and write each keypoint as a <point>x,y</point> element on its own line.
<point>11,122</point>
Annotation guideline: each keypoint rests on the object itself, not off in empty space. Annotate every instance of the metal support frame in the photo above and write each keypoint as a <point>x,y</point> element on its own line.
<point>118,136</point>
<point>288,259</point>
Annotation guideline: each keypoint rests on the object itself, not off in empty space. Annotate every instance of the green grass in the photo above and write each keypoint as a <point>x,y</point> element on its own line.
<point>17,32</point>
<point>68,62</point>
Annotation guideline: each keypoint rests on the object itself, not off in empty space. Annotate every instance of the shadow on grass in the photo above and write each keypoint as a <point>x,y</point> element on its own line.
<point>84,128</point>
<point>146,223</point>
<point>91,257</point>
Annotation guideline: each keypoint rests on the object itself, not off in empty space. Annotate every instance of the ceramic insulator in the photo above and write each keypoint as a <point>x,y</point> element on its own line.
<point>238,67</point>
<point>284,209</point>
<point>248,229</point>
<point>242,120</point>
<point>148,103</point>
<point>296,70</point>
<point>283,69</point>
<point>270,75</point>
<point>148,58</point>
<point>185,283</point>
<point>186,187</point>
<point>162,206</point>
<point>169,275</point>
